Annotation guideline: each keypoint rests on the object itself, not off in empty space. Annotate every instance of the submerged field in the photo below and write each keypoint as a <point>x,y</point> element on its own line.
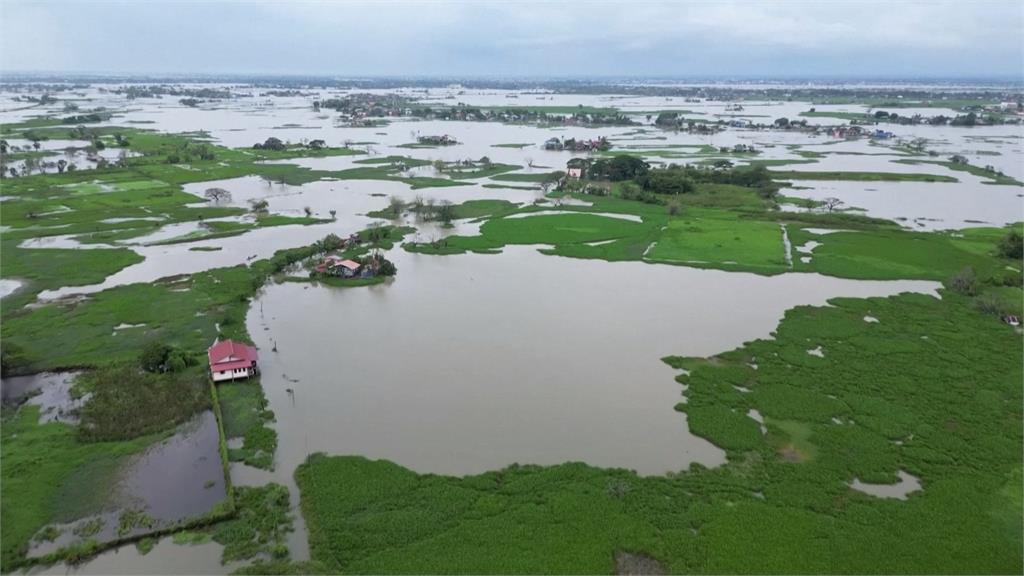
<point>909,391</point>
<point>184,234</point>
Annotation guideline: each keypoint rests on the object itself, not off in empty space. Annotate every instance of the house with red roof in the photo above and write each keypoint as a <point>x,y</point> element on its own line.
<point>230,360</point>
<point>336,266</point>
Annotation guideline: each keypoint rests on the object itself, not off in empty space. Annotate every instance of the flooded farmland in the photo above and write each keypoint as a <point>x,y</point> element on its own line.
<point>468,363</point>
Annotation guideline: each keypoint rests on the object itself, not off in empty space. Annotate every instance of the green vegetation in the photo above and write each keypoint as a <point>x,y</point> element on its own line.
<point>720,238</point>
<point>885,254</point>
<point>538,177</point>
<point>39,465</point>
<point>52,268</point>
<point>993,176</point>
<point>245,413</point>
<point>932,388</point>
<point>476,170</point>
<point>127,402</point>
<point>260,527</point>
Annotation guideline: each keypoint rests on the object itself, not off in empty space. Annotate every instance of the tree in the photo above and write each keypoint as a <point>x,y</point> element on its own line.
<point>4,146</point>
<point>217,195</point>
<point>61,165</point>
<point>307,210</point>
<point>153,357</point>
<point>260,206</point>
<point>446,212</point>
<point>672,180</point>
<point>673,208</point>
<point>395,206</point>
<point>1011,246</point>
<point>334,214</point>
<point>832,203</point>
<point>271,143</point>
<point>619,168</point>
<point>782,122</point>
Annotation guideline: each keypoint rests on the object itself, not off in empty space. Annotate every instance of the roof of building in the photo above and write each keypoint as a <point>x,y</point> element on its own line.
<point>231,355</point>
<point>350,264</point>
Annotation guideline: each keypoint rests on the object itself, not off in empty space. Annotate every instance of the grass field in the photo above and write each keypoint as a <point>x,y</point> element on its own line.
<point>720,238</point>
<point>992,177</point>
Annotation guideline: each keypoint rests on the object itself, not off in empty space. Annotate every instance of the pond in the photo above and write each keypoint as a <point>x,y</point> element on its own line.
<point>470,363</point>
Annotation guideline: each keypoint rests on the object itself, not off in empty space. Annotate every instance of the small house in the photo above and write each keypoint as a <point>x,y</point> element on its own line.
<point>576,168</point>
<point>336,266</point>
<point>347,268</point>
<point>230,360</point>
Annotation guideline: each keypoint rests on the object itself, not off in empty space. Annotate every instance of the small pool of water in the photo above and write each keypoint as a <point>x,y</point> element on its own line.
<point>901,490</point>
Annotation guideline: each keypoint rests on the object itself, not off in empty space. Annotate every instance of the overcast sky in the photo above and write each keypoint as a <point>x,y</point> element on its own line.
<point>894,38</point>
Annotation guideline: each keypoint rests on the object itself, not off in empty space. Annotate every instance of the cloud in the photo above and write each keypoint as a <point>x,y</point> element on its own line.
<point>572,37</point>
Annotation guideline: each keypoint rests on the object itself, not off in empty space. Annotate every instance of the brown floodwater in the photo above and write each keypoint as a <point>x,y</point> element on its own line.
<point>473,362</point>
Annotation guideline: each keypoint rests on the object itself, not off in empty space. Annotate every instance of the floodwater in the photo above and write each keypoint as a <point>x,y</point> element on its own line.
<point>56,385</point>
<point>166,557</point>
<point>901,490</point>
<point>923,205</point>
<point>176,479</point>
<point>9,286</point>
<point>469,363</point>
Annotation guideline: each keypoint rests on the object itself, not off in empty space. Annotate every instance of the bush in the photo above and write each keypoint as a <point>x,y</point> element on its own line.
<point>127,403</point>
<point>1011,246</point>
<point>154,357</point>
<point>964,282</point>
<point>991,304</point>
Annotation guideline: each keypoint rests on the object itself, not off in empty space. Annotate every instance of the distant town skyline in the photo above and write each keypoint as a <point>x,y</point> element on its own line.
<point>864,39</point>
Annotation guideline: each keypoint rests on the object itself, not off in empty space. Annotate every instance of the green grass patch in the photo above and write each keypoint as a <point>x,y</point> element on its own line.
<point>538,177</point>
<point>126,402</point>
<point>39,463</point>
<point>992,177</point>
<point>721,240</point>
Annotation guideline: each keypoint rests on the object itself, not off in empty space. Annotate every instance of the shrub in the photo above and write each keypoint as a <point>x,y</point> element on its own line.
<point>154,357</point>
<point>1011,246</point>
<point>964,282</point>
<point>991,304</point>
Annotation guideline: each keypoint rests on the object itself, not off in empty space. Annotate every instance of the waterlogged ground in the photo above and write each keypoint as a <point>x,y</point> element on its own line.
<point>469,363</point>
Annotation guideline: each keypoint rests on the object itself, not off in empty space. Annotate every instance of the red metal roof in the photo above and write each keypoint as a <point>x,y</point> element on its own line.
<point>231,355</point>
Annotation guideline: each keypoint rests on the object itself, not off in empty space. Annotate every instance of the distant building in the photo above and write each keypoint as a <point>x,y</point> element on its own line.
<point>576,168</point>
<point>230,360</point>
